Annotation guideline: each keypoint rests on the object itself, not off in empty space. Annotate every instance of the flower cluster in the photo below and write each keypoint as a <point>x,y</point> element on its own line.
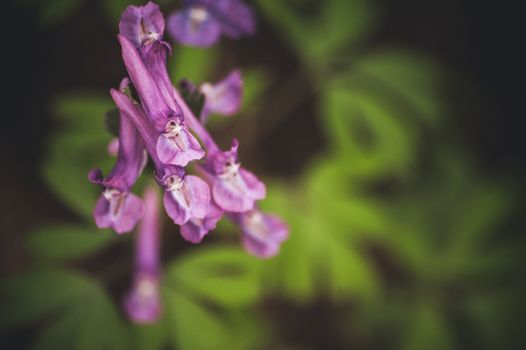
<point>160,125</point>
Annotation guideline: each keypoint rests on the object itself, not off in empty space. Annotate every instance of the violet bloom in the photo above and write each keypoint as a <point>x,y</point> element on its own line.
<point>201,22</point>
<point>145,61</point>
<point>196,229</point>
<point>234,188</point>
<point>117,207</point>
<point>223,98</point>
<point>186,196</point>
<point>262,233</point>
<point>143,302</point>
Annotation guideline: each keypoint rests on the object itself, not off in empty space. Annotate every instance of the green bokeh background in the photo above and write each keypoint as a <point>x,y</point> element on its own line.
<point>399,238</point>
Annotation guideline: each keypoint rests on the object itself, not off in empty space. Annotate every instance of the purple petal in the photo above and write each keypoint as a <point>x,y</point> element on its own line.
<point>143,303</point>
<point>225,97</point>
<point>152,99</point>
<point>195,229</point>
<point>192,200</point>
<point>262,233</point>
<point>236,18</point>
<point>122,212</point>
<point>200,192</point>
<point>179,149</point>
<point>140,24</point>
<point>194,26</point>
<point>239,192</point>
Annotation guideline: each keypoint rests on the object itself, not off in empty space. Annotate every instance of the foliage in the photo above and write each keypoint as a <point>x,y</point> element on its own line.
<point>390,218</point>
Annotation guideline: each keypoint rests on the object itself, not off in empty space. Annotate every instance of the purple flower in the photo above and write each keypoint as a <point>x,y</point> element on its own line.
<point>195,229</point>
<point>185,196</point>
<point>201,22</point>
<point>175,144</point>
<point>223,98</point>
<point>234,188</point>
<point>117,207</point>
<point>262,233</point>
<point>142,24</point>
<point>143,302</point>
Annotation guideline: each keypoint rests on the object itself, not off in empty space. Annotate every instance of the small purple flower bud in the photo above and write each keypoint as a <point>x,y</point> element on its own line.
<point>234,189</point>
<point>142,24</point>
<point>201,22</point>
<point>195,229</point>
<point>185,196</point>
<point>143,302</point>
<point>223,98</point>
<point>117,208</point>
<point>262,233</point>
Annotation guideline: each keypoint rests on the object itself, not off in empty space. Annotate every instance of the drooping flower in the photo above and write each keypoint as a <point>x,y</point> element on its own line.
<point>143,302</point>
<point>262,234</point>
<point>234,188</point>
<point>117,207</point>
<point>186,196</point>
<point>201,22</point>
<point>223,98</point>
<point>175,144</point>
<point>196,229</point>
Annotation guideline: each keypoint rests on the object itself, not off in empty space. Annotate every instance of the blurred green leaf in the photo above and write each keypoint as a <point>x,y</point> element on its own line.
<point>429,330</point>
<point>32,296</point>
<point>66,241</point>
<point>415,79</point>
<point>371,136</point>
<point>194,326</point>
<point>91,323</point>
<point>227,276</point>
<point>192,63</point>
<point>148,337</point>
<point>77,147</point>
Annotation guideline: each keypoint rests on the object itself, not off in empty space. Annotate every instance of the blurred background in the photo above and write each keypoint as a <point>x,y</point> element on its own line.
<point>390,136</point>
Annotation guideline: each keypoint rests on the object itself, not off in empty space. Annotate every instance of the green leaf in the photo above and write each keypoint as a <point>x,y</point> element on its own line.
<point>413,78</point>
<point>91,323</point>
<point>226,276</point>
<point>35,295</point>
<point>368,132</point>
<point>192,63</point>
<point>62,242</point>
<point>429,330</point>
<point>195,326</point>
<point>78,146</point>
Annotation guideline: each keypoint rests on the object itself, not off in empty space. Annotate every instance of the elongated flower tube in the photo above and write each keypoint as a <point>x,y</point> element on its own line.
<point>117,208</point>
<point>143,302</point>
<point>201,22</point>
<point>262,233</point>
<point>175,144</point>
<point>234,188</point>
<point>223,98</point>
<point>186,196</point>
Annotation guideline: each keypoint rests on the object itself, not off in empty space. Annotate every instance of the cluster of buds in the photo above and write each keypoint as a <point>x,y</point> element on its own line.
<point>160,125</point>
